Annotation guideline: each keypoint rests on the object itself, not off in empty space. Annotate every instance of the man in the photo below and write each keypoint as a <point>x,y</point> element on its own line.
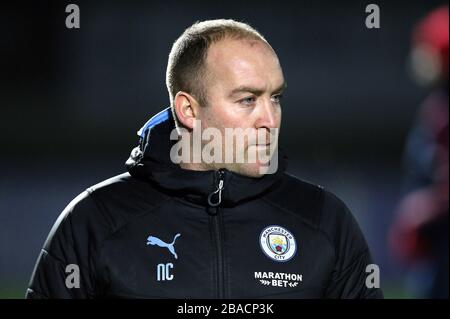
<point>201,228</point>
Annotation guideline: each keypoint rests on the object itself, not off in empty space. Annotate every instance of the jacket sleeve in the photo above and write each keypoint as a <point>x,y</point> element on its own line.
<point>351,277</point>
<point>64,268</point>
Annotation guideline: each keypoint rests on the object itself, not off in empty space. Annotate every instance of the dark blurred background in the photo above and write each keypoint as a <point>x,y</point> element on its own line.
<point>71,101</point>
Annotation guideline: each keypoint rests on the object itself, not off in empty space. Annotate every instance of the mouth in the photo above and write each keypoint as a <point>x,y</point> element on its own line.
<point>261,145</point>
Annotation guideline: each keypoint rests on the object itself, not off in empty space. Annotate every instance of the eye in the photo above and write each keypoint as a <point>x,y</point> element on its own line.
<point>277,98</point>
<point>248,100</point>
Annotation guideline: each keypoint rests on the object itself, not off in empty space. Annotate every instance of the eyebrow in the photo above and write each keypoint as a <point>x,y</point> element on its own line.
<point>256,91</point>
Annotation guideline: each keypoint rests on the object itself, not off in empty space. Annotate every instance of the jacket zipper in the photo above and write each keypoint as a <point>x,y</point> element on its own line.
<point>214,201</point>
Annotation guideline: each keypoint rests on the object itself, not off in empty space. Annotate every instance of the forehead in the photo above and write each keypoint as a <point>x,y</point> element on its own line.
<point>232,63</point>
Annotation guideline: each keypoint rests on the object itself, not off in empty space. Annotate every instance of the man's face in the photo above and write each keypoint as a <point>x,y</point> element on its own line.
<point>244,85</point>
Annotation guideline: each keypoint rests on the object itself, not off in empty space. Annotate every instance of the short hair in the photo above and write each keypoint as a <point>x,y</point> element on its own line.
<point>186,65</point>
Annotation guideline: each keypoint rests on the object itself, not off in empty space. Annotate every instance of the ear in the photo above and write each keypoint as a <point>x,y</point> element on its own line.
<point>186,109</point>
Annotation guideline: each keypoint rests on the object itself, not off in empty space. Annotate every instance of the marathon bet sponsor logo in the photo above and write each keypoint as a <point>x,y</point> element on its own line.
<point>278,243</point>
<point>278,279</point>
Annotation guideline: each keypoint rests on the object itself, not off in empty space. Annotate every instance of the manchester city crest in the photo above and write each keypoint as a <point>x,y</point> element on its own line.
<point>278,243</point>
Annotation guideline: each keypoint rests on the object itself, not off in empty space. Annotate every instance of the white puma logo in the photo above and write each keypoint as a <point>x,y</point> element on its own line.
<point>151,240</point>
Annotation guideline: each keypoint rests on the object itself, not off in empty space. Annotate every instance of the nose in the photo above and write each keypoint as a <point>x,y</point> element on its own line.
<point>268,115</point>
<point>268,121</point>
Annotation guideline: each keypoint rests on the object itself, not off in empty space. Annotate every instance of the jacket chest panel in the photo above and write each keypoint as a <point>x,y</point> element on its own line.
<point>239,253</point>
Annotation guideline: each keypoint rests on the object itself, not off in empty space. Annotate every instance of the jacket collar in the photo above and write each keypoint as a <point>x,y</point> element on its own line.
<point>151,161</point>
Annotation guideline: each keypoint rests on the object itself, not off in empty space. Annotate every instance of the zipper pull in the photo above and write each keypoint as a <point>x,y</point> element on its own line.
<point>217,191</point>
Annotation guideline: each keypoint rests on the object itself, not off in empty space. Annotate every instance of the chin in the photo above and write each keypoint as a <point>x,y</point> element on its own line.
<point>250,170</point>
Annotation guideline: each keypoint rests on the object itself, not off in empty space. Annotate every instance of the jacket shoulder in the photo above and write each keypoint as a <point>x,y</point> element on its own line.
<point>103,208</point>
<point>126,190</point>
<point>299,197</point>
<point>122,197</point>
<point>311,202</point>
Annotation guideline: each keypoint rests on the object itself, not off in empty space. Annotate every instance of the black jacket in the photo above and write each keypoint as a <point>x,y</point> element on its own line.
<point>151,233</point>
